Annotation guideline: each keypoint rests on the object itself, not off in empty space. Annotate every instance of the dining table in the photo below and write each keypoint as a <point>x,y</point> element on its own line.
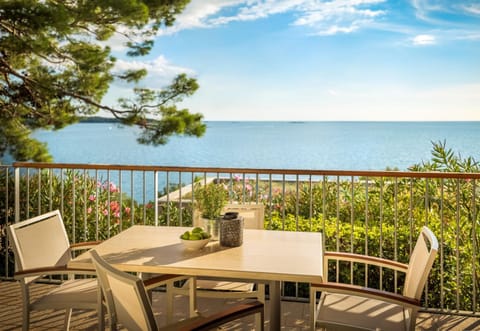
<point>267,256</point>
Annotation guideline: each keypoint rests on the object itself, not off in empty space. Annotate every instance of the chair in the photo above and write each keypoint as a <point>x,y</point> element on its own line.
<point>351,307</point>
<point>42,248</point>
<point>253,216</point>
<point>128,303</point>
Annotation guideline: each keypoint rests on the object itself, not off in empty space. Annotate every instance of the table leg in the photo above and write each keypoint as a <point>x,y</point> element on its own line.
<point>275,313</point>
<point>192,297</point>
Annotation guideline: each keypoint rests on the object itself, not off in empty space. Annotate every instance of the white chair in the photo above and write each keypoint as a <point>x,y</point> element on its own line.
<point>128,304</point>
<point>350,307</point>
<point>253,217</point>
<point>41,248</point>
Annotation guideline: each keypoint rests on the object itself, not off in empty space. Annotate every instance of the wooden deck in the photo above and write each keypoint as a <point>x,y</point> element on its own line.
<point>294,314</point>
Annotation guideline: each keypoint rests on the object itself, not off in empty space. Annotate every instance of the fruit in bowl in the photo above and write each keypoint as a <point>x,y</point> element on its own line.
<point>195,239</point>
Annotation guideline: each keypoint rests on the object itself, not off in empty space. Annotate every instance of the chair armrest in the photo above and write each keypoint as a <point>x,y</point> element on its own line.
<point>224,316</point>
<point>367,292</point>
<point>84,245</point>
<point>159,280</point>
<point>371,260</point>
<point>57,270</point>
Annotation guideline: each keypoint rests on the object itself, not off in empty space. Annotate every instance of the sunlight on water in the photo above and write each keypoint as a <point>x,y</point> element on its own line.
<point>270,145</point>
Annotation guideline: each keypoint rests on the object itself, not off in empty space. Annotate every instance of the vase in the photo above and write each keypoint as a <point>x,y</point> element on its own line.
<point>212,227</point>
<point>231,230</point>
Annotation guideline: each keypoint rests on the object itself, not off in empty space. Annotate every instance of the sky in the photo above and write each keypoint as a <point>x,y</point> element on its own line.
<point>322,60</point>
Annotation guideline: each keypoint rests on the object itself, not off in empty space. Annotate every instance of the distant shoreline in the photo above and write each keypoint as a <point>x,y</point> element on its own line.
<point>98,119</point>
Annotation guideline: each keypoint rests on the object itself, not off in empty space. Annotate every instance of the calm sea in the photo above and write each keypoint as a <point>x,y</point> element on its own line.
<point>270,145</point>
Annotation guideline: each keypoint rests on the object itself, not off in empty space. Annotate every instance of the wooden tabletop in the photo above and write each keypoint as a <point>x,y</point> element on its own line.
<point>265,255</point>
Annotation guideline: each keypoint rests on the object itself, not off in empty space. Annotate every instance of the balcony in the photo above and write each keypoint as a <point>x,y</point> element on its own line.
<point>376,213</point>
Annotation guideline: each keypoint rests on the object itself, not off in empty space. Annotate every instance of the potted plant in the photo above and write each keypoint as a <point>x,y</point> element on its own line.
<point>210,199</point>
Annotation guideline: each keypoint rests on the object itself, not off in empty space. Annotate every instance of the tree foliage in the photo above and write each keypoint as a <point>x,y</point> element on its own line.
<point>56,66</point>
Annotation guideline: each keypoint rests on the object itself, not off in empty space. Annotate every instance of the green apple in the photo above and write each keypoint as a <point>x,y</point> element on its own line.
<point>197,230</point>
<point>195,236</point>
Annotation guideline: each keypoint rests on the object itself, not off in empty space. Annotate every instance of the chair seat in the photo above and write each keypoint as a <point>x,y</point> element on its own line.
<point>366,313</point>
<point>84,291</point>
<point>226,286</point>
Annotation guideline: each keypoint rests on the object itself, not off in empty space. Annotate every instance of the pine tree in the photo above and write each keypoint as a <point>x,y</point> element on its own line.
<point>55,68</point>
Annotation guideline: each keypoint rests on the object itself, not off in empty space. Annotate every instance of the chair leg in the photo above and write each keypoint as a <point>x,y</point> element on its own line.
<point>261,292</point>
<point>25,306</point>
<point>260,320</point>
<point>313,308</point>
<point>68,317</point>
<point>26,319</point>
<point>170,300</point>
<point>101,311</point>
<point>413,319</point>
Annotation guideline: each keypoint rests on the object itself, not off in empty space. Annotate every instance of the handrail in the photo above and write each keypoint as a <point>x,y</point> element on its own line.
<point>361,173</point>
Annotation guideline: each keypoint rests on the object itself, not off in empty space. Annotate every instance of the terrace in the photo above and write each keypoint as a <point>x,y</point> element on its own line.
<point>376,213</point>
<point>294,317</point>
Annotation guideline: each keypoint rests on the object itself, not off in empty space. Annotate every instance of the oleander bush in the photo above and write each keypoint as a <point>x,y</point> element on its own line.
<point>382,217</point>
<point>91,209</point>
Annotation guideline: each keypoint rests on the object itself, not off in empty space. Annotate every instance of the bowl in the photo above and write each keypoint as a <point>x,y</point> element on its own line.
<point>194,244</point>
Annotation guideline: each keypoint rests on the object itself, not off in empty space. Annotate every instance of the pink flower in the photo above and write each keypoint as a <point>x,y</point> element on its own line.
<point>113,187</point>
<point>105,212</point>
<point>117,214</point>
<point>237,178</point>
<point>248,187</point>
<point>114,206</point>
<point>89,210</point>
<point>92,197</point>
<point>127,210</point>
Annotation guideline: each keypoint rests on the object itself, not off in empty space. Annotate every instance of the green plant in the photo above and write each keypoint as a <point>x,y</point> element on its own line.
<point>210,199</point>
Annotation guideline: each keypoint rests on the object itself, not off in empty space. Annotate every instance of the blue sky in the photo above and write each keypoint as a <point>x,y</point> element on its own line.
<point>323,60</point>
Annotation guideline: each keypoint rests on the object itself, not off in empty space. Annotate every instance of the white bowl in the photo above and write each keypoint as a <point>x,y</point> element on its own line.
<point>194,244</point>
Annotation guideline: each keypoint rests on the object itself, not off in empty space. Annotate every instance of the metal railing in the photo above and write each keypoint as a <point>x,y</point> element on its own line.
<point>376,213</point>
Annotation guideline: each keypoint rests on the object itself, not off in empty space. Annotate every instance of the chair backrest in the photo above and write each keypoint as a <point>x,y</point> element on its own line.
<point>125,295</point>
<point>253,214</point>
<point>40,242</point>
<point>420,264</point>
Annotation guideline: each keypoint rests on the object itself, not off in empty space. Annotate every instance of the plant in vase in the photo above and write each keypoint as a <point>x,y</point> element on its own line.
<point>210,199</point>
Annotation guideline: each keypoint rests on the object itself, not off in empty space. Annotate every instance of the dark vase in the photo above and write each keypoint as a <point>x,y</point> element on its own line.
<point>231,230</point>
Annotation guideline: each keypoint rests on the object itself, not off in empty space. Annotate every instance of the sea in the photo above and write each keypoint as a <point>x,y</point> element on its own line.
<point>269,145</point>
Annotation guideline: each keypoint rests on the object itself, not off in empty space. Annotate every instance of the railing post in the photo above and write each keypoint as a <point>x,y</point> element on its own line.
<point>155,197</point>
<point>17,195</point>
